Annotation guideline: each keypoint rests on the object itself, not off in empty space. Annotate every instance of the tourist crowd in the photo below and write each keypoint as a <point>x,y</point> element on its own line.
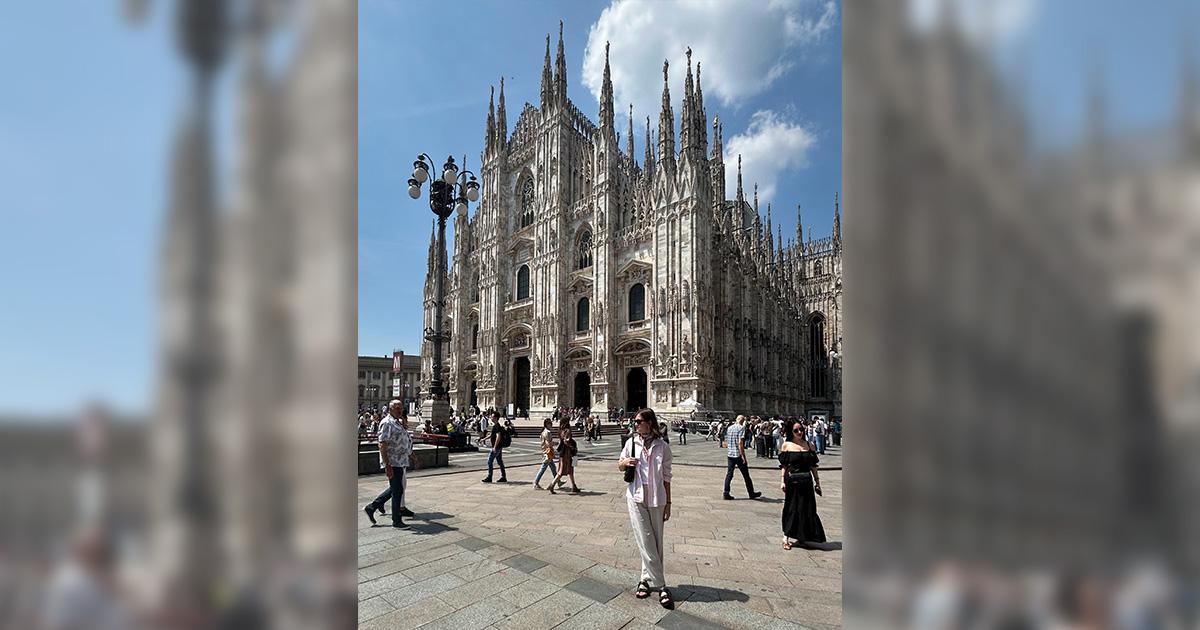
<point>645,462</point>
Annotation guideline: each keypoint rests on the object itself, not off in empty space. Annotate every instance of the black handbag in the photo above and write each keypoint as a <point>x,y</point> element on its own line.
<point>631,471</point>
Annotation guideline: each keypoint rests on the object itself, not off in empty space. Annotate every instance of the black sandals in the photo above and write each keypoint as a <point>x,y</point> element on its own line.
<point>643,590</point>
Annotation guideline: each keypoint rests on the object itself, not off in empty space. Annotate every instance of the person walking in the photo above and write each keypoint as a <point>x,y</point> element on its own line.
<point>589,429</point>
<point>567,449</point>
<point>648,497</point>
<point>498,441</point>
<point>773,438</point>
<point>599,433</point>
<point>799,481</point>
<point>548,453</point>
<point>736,457</point>
<point>836,430</point>
<point>820,430</point>
<point>395,454</point>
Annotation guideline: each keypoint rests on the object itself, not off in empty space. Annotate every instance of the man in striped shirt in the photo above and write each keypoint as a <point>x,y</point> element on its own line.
<point>736,456</point>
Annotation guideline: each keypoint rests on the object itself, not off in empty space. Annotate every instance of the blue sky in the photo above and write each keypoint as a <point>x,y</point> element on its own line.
<point>401,114</point>
<point>88,103</point>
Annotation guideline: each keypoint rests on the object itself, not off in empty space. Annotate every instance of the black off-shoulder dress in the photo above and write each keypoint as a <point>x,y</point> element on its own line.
<point>800,521</point>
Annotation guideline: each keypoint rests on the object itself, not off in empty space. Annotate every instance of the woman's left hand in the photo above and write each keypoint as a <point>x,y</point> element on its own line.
<point>667,513</point>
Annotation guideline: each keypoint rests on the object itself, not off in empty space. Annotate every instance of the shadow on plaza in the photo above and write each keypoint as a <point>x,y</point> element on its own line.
<point>703,593</point>
<point>581,493</point>
<point>432,516</point>
<point>430,529</point>
<point>816,546</point>
<point>424,523</point>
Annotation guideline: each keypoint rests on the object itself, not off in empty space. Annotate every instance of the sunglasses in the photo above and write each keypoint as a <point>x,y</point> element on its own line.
<point>641,421</point>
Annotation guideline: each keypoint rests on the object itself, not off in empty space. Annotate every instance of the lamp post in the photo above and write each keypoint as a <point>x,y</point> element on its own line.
<point>448,194</point>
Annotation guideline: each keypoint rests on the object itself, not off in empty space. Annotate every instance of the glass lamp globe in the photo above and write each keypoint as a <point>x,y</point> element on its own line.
<point>420,174</point>
<point>461,206</point>
<point>450,174</point>
<point>472,193</point>
<point>414,191</point>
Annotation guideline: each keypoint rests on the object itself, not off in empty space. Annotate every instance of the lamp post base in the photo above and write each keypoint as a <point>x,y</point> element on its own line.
<point>436,411</point>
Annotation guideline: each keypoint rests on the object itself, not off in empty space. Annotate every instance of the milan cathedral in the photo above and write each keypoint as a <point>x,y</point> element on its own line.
<point>588,279</point>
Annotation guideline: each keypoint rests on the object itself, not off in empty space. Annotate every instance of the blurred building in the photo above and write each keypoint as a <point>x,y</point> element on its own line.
<point>588,279</point>
<point>986,393</point>
<point>1144,202</point>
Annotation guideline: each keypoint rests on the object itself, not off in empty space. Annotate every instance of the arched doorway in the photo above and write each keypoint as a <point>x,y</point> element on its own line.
<point>520,376</point>
<point>635,390</point>
<point>583,390</point>
<point>473,399</point>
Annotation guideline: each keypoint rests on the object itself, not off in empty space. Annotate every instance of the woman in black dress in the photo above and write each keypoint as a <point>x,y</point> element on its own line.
<point>800,483</point>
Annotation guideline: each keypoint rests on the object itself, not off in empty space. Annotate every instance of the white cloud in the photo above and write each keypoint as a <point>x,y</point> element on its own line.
<point>771,146</point>
<point>743,47</point>
<point>982,21</point>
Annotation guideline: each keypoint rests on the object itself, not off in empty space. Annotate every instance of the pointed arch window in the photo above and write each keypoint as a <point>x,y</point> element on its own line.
<point>585,250</point>
<point>526,196</point>
<point>817,356</point>
<point>637,302</point>
<point>817,268</point>
<point>475,288</point>
<point>582,315</point>
<point>523,282</point>
<point>475,337</point>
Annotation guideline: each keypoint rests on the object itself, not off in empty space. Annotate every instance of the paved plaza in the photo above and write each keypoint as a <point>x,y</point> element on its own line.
<point>509,556</point>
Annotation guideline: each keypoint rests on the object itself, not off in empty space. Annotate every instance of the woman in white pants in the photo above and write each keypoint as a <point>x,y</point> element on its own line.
<point>649,500</point>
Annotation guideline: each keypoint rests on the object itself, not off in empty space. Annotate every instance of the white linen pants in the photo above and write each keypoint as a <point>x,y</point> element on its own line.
<point>647,525</point>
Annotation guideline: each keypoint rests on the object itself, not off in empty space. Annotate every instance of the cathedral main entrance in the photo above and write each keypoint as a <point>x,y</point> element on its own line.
<point>583,390</point>
<point>520,382</point>
<point>635,390</point>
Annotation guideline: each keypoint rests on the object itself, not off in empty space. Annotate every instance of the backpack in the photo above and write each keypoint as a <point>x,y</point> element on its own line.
<point>505,437</point>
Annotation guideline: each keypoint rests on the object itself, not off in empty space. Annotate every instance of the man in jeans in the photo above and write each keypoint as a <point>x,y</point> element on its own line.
<point>820,429</point>
<point>736,456</point>
<point>497,454</point>
<point>395,453</point>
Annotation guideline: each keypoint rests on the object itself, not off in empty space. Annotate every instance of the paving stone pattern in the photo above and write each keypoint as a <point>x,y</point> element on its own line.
<point>509,556</point>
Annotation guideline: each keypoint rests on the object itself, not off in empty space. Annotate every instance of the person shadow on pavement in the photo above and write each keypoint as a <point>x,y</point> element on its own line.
<point>816,546</point>
<point>705,593</point>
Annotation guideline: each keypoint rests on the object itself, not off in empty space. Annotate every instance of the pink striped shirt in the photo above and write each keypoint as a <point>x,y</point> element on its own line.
<point>653,470</point>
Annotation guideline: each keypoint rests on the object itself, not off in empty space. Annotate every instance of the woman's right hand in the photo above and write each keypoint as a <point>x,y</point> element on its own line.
<point>783,486</point>
<point>629,461</point>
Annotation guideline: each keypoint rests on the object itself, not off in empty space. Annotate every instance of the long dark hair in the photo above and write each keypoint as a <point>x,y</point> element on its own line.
<point>655,429</point>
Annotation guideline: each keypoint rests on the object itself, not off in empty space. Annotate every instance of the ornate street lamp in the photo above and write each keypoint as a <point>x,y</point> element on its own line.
<point>448,194</point>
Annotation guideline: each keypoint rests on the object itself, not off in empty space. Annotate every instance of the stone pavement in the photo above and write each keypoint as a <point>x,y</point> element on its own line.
<point>509,556</point>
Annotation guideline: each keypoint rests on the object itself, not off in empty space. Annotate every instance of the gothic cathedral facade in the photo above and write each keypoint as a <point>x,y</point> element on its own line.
<point>588,279</point>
